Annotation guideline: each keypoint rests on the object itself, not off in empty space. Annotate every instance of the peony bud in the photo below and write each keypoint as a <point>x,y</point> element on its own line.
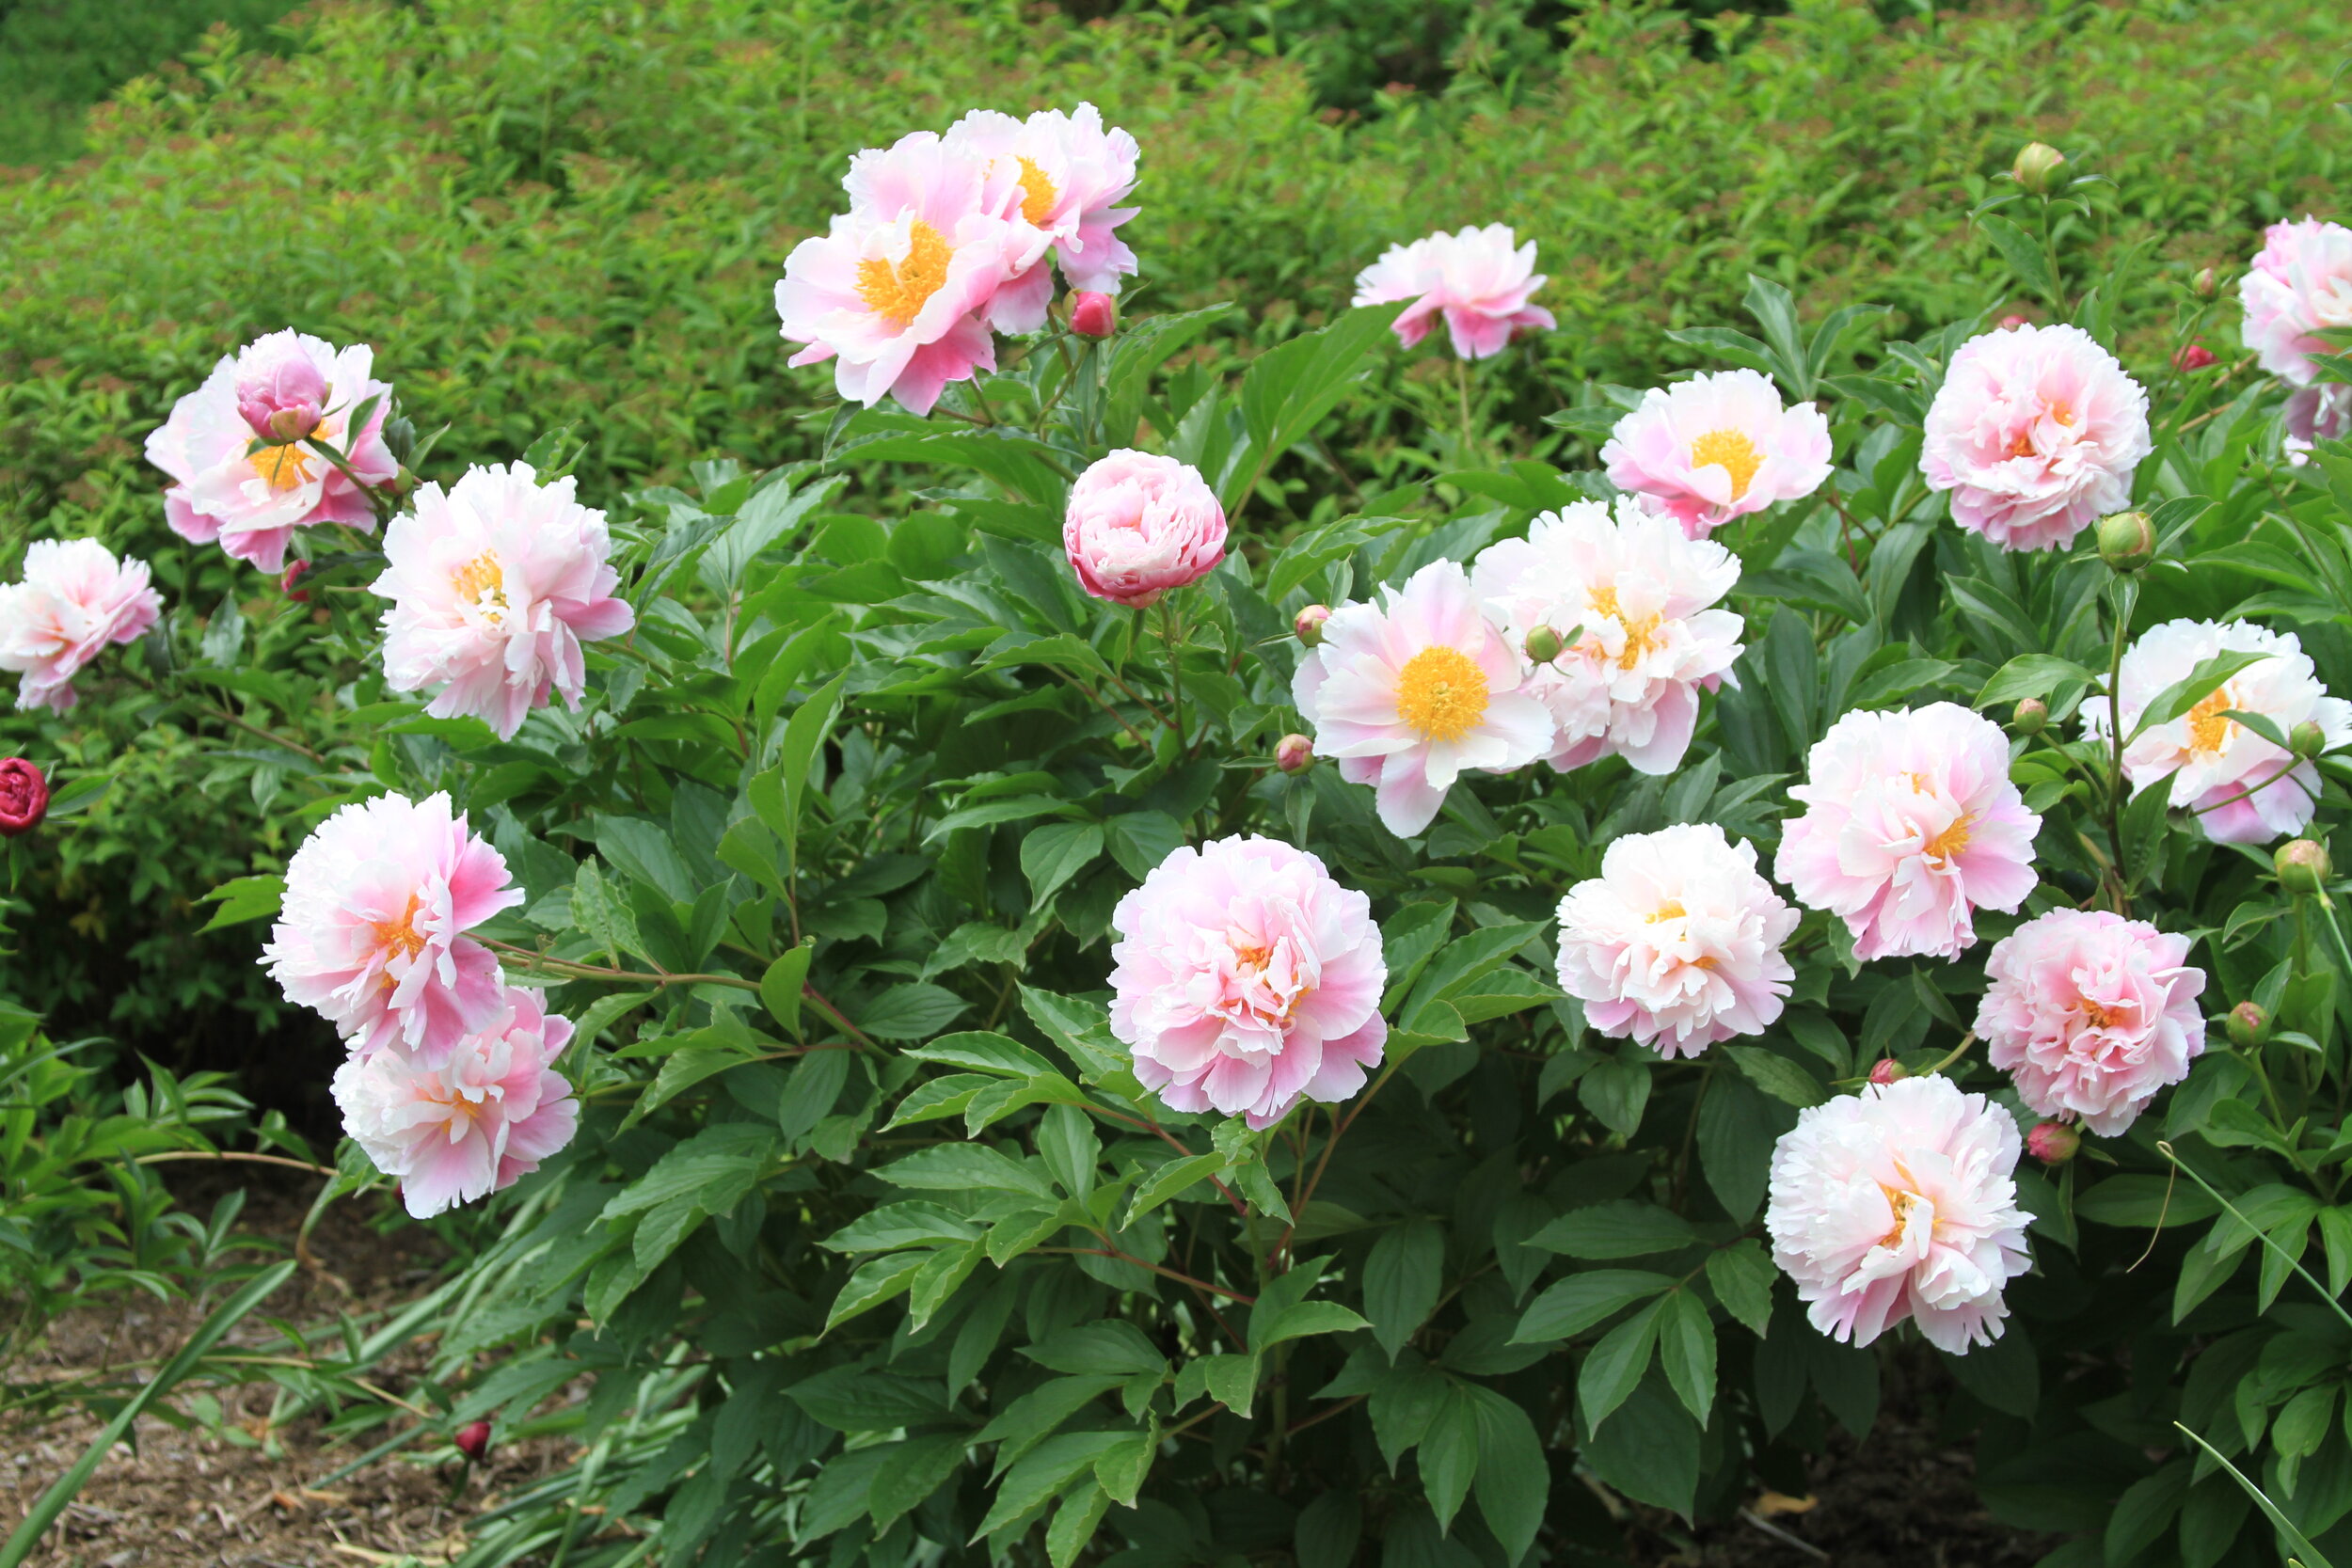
<point>473,1441</point>
<point>1093,315</point>
<point>2031,718</point>
<point>1888,1070</point>
<point>2207,283</point>
<point>2053,1143</point>
<point>23,797</point>
<point>1294,753</point>
<point>2037,166</point>
<point>293,575</point>
<point>2127,541</point>
<point>280,391</point>
<point>2302,867</point>
<point>1544,644</point>
<point>2307,740</point>
<point>1309,626</point>
<point>2010,324</point>
<point>2249,1026</point>
<point>2195,357</point>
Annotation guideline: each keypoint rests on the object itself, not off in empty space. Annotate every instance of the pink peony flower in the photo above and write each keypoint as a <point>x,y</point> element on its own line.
<point>1718,447</point>
<point>2299,286</point>
<point>495,583</point>
<point>2316,414</point>
<point>2035,432</point>
<point>1650,642</point>
<point>901,291</point>
<point>2091,1014</point>
<point>251,499</point>
<point>1410,694</point>
<point>1900,1202</point>
<point>1911,826</point>
<point>475,1123</point>
<point>1064,176</point>
<point>1138,524</point>
<point>75,599</point>
<point>372,932</point>
<point>1246,979</point>
<point>1476,279</point>
<point>2238,783</point>
<point>1677,942</point>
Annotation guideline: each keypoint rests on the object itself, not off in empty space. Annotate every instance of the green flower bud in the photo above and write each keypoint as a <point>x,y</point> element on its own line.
<point>2302,867</point>
<point>2248,1025</point>
<point>2037,166</point>
<point>2031,718</point>
<point>2127,541</point>
<point>1544,644</point>
<point>2307,740</point>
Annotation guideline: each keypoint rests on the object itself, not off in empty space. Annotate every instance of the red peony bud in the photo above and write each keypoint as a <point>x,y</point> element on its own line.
<point>1093,315</point>
<point>473,1441</point>
<point>23,797</point>
<point>1309,626</point>
<point>2011,323</point>
<point>293,575</point>
<point>2053,1143</point>
<point>2194,358</point>
<point>1887,1071</point>
<point>1294,753</point>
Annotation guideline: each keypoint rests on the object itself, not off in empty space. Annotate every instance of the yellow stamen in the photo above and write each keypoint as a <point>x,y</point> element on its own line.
<point>1442,693</point>
<point>1945,845</point>
<point>479,577</point>
<point>1732,452</point>
<point>2208,731</point>
<point>1038,195</point>
<point>1902,1202</point>
<point>1668,911</point>
<point>286,467</point>
<point>897,293</point>
<point>1640,637</point>
<point>2100,1016</point>
<point>400,936</point>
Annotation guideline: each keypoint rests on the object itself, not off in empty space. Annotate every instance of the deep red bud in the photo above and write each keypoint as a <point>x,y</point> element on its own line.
<point>23,797</point>
<point>473,1441</point>
<point>1093,315</point>
<point>2194,358</point>
<point>1887,1071</point>
<point>293,575</point>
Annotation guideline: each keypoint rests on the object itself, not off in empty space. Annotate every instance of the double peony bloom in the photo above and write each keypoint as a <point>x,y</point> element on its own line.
<point>1480,280</point>
<point>2299,286</point>
<point>1717,446</point>
<point>949,240</point>
<point>75,599</point>
<point>1138,524</point>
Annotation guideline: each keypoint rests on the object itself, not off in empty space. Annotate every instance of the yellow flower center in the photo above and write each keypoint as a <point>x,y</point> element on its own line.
<point>1038,195</point>
<point>2208,730</point>
<point>897,291</point>
<point>1442,693</point>
<point>288,467</point>
<point>1902,1202</point>
<point>1640,637</point>
<point>2098,1016</point>
<point>1668,911</point>
<point>400,936</point>
<point>1951,842</point>
<point>1732,452</point>
<point>480,577</point>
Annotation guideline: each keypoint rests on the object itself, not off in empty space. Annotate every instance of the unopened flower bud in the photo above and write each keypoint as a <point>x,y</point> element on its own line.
<point>23,797</point>
<point>2037,166</point>
<point>473,1441</point>
<point>1544,644</point>
<point>2010,324</point>
<point>1888,1070</point>
<point>2307,740</point>
<point>2302,865</point>
<point>1294,753</point>
<point>2031,718</point>
<point>293,424</point>
<point>2127,541</point>
<point>2207,283</point>
<point>2249,1026</point>
<point>1093,315</point>
<point>293,575</point>
<point>2195,358</point>
<point>1309,626</point>
<point>2053,1143</point>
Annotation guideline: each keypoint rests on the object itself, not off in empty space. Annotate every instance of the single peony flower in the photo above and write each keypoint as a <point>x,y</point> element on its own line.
<point>1676,943</point>
<point>281,390</point>
<point>1138,524</point>
<point>495,584</point>
<point>1480,280</point>
<point>77,598</point>
<point>1409,694</point>
<point>1650,638</point>
<point>1246,979</point>
<point>901,291</point>
<point>371,934</point>
<point>2091,1014</point>
<point>1900,1202</point>
<point>2238,785</point>
<point>2299,286</point>
<point>1718,447</point>
<point>1911,826</point>
<point>1063,175</point>
<point>475,1124</point>
<point>2035,432</point>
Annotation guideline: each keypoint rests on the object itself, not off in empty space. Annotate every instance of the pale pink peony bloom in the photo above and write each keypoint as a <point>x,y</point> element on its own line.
<point>371,934</point>
<point>2238,783</point>
<point>2091,1014</point>
<point>1651,638</point>
<point>1480,280</point>
<point>77,598</point>
<point>1911,826</point>
<point>1246,979</point>
<point>1064,176</point>
<point>1138,524</point>
<point>251,500</point>
<point>474,1124</point>
<point>901,291</point>
<point>1900,1202</point>
<point>2316,414</point>
<point>1717,446</point>
<point>2036,433</point>
<point>1676,943</point>
<point>2299,286</point>
<point>495,584</point>
<point>1410,694</point>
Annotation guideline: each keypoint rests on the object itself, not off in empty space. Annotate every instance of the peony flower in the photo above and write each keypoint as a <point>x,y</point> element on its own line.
<point>236,448</point>
<point>2091,1014</point>
<point>1409,694</point>
<point>901,291</point>
<point>1677,942</point>
<point>1246,979</point>
<point>1900,1202</point>
<point>1911,826</point>
<point>495,584</point>
<point>1063,175</point>
<point>475,1123</point>
<point>372,932</point>
<point>1476,277</point>
<point>2035,432</point>
<point>23,797</point>
<point>75,599</point>
<point>2299,286</point>
<point>2238,785</point>
<point>1718,447</point>
<point>2317,413</point>
<point>1650,640</point>
<point>1138,524</point>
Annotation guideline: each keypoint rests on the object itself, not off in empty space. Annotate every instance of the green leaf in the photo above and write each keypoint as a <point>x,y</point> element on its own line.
<point>2209,676</point>
<point>1514,1485</point>
<point>1076,1522</point>
<point>1579,1302</point>
<point>1777,1076</point>
<point>1449,1456</point>
<point>1173,1179</point>
<point>954,1167</point>
<point>1290,388</point>
<point>1114,1348</point>
<point>1402,1279</point>
<point>913,1011</point>
<point>1741,1276</point>
<point>1066,1143</point>
<point>2305,1552</point>
<point>1614,1367</point>
<point>1299,1319</point>
<point>1141,840</point>
<point>1686,1348</point>
<point>873,1284</point>
<point>2022,251</point>
<point>2031,675</point>
<point>1044,1471</point>
<point>1623,1227</point>
<point>982,1050</point>
<point>780,987</point>
<point>245,898</point>
<point>1052,855</point>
